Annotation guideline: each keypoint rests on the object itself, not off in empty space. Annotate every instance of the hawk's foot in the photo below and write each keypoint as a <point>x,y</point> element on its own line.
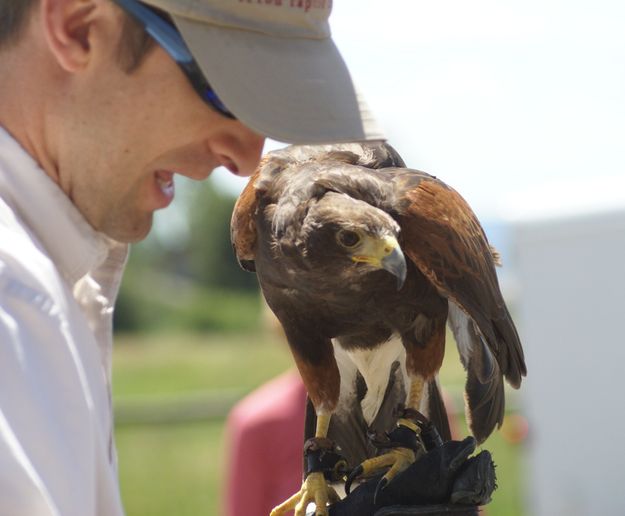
<point>315,489</point>
<point>322,462</point>
<point>404,447</point>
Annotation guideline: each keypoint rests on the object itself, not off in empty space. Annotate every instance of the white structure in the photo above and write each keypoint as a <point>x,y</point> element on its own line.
<point>571,317</point>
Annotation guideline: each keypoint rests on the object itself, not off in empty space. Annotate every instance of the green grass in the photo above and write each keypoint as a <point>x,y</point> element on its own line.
<point>171,469</point>
<point>178,468</point>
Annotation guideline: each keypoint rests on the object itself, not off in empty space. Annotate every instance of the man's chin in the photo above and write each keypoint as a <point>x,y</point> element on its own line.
<point>129,233</point>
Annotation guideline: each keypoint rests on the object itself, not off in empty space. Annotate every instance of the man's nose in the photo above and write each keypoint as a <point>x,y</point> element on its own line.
<point>240,150</point>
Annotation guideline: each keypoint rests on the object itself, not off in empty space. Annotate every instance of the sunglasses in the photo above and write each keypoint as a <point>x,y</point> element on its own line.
<point>161,28</point>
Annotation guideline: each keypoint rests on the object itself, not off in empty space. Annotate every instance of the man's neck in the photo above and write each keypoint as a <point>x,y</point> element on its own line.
<point>25,94</point>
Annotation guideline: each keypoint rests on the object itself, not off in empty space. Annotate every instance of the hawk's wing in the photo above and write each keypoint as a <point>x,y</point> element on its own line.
<point>444,239</point>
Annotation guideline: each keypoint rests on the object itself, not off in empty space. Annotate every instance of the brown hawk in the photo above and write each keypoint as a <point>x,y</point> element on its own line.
<point>364,262</point>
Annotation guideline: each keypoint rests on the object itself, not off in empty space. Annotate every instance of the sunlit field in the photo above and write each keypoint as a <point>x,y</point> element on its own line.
<point>172,393</point>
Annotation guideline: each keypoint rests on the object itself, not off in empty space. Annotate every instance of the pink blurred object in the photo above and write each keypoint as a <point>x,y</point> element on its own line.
<point>515,429</point>
<point>266,435</point>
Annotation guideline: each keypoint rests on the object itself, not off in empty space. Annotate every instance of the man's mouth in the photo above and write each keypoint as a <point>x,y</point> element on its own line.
<point>165,181</point>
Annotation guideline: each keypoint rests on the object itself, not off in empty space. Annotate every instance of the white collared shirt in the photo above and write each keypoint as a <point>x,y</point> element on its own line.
<point>58,283</point>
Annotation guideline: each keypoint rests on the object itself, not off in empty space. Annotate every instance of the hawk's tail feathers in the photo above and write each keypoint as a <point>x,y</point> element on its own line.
<point>512,357</point>
<point>484,404</point>
<point>436,410</point>
<point>484,393</point>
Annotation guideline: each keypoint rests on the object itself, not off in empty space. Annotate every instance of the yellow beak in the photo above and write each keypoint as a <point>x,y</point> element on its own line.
<point>383,253</point>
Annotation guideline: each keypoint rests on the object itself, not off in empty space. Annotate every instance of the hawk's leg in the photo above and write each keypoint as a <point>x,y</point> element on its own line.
<point>417,382</point>
<point>315,488</point>
<point>403,443</point>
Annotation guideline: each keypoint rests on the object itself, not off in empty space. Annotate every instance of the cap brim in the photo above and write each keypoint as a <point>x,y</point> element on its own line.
<point>292,90</point>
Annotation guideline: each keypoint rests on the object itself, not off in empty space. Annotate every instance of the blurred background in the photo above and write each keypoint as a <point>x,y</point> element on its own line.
<point>520,106</point>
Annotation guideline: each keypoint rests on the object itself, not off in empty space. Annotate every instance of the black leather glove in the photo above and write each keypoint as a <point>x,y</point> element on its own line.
<point>443,481</point>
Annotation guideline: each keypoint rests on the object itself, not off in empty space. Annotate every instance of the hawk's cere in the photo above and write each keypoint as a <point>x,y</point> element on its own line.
<point>364,262</point>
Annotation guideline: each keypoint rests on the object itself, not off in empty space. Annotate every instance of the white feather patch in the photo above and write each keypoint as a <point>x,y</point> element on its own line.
<point>459,322</point>
<point>375,367</point>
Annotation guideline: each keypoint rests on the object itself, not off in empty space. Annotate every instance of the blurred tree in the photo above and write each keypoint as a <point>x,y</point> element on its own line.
<point>211,260</point>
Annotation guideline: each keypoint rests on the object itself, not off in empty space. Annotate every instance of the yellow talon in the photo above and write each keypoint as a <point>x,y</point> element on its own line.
<point>315,489</point>
<point>409,424</point>
<point>397,458</point>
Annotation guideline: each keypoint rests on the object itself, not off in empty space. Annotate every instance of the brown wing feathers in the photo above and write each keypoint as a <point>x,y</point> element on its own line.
<point>442,236</point>
<point>243,224</point>
<point>444,239</point>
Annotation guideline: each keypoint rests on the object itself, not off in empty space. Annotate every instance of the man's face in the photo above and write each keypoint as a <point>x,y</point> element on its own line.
<point>129,135</point>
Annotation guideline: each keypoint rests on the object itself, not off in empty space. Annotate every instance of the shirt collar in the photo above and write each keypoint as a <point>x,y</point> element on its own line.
<point>72,244</point>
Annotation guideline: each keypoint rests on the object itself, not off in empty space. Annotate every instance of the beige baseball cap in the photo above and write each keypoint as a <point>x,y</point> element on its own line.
<point>274,65</point>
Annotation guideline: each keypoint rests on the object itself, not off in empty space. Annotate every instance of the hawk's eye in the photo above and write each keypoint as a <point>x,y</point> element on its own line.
<point>348,238</point>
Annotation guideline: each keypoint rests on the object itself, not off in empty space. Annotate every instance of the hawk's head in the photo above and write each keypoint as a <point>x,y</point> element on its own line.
<point>343,235</point>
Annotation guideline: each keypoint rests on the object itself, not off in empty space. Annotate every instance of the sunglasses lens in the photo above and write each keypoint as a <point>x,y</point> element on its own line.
<point>211,97</point>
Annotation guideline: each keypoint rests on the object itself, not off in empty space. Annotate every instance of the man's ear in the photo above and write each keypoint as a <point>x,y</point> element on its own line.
<point>67,25</point>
